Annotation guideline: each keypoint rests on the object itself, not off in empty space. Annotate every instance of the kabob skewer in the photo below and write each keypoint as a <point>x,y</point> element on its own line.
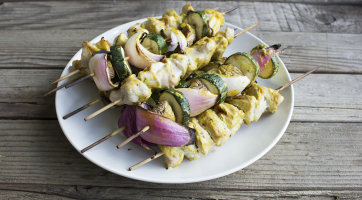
<point>162,153</point>
<point>187,8</point>
<point>116,102</point>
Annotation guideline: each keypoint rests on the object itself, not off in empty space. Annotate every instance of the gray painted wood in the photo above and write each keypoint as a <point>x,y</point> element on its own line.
<point>281,17</point>
<point>318,158</point>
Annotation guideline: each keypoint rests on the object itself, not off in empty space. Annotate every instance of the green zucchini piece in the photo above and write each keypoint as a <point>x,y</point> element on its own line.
<point>179,104</point>
<point>270,69</point>
<point>210,66</point>
<point>199,20</point>
<point>183,84</point>
<point>247,65</point>
<point>154,99</point>
<point>215,84</point>
<point>155,43</point>
<point>120,66</point>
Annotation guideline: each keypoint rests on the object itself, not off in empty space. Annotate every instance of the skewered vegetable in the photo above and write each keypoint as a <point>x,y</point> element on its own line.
<point>246,64</point>
<point>200,20</point>
<point>163,130</point>
<point>271,68</point>
<point>215,84</point>
<point>155,43</point>
<point>179,103</point>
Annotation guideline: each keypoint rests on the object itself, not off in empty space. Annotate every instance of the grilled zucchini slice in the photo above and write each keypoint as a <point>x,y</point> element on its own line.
<point>199,20</point>
<point>210,66</point>
<point>154,99</point>
<point>215,84</point>
<point>179,104</point>
<point>154,43</point>
<point>183,84</point>
<point>247,65</point>
<point>120,66</point>
<point>270,69</point>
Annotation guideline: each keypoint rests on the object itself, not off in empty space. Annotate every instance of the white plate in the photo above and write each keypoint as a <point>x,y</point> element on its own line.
<point>248,145</point>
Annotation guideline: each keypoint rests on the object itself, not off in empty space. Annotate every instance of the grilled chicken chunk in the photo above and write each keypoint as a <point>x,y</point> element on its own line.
<point>230,115</point>
<point>217,129</point>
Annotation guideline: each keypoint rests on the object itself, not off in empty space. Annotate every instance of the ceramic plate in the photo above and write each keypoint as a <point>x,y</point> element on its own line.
<point>248,145</point>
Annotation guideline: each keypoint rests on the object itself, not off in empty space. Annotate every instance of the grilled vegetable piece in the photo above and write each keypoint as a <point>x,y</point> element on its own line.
<point>179,104</point>
<point>246,64</point>
<point>271,68</point>
<point>163,130</point>
<point>128,119</point>
<point>263,54</point>
<point>199,100</point>
<point>232,76</point>
<point>189,33</point>
<point>154,43</point>
<point>103,72</point>
<point>183,84</point>
<point>214,84</point>
<point>200,20</point>
<point>210,66</point>
<point>120,66</point>
<point>154,99</point>
<point>218,131</point>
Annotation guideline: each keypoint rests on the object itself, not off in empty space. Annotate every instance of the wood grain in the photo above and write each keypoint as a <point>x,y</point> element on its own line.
<point>281,17</point>
<point>316,158</point>
<point>318,97</point>
<point>83,192</point>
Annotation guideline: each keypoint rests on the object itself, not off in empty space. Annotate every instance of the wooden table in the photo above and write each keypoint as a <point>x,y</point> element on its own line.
<point>319,155</point>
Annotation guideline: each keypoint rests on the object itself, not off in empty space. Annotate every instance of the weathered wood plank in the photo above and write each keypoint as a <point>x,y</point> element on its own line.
<point>54,48</point>
<point>88,192</point>
<point>321,2</point>
<point>287,17</point>
<point>313,156</point>
<point>317,98</point>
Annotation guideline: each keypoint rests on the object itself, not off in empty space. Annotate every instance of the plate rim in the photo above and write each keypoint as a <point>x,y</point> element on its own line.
<point>193,180</point>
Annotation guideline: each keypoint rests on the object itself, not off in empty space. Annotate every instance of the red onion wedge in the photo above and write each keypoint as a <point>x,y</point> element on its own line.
<point>128,119</point>
<point>176,36</point>
<point>162,130</point>
<point>139,56</point>
<point>199,100</point>
<point>263,54</point>
<point>98,66</point>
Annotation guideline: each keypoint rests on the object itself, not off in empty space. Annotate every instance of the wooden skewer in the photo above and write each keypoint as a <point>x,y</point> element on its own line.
<point>102,109</point>
<point>82,108</point>
<point>103,139</point>
<point>133,137</point>
<point>230,10</point>
<point>146,161</point>
<point>283,50</point>
<point>64,85</point>
<point>127,58</point>
<point>247,29</point>
<point>68,75</point>
<point>216,9</point>
<point>79,80</point>
<point>297,79</point>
